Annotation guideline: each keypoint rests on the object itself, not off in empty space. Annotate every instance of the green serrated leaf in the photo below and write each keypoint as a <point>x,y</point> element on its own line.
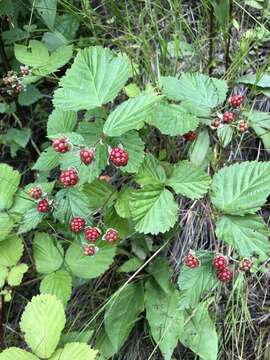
<point>89,267</point>
<point>122,313</point>
<point>99,193</point>
<point>161,272</point>
<point>122,203</point>
<point>47,10</point>
<point>6,225</point>
<point>189,180</point>
<point>247,234</point>
<point>3,275</point>
<point>48,160</point>
<point>91,131</point>
<point>173,119</point>
<point>130,115</point>
<point>151,172</point>
<point>114,221</point>
<point>260,123</point>
<point>153,209</point>
<point>74,351</point>
<point>196,282</point>
<point>58,283</point>
<point>199,148</point>
<point>9,182</point>
<point>29,96</point>
<point>130,265</point>
<point>48,254</point>
<point>225,133</point>
<point>241,188</point>
<point>42,323</point>
<point>94,79</point>
<point>30,220</point>
<point>76,336</point>
<point>16,273</point>
<point>11,250</point>
<point>13,353</point>
<point>61,122</point>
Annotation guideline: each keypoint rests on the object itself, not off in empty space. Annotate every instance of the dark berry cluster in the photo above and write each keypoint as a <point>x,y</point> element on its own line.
<point>190,136</point>
<point>13,82</point>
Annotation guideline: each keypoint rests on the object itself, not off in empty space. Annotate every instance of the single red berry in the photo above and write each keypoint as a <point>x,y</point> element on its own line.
<point>87,156</point>
<point>190,136</point>
<point>245,265</point>
<point>228,117</point>
<point>61,145</point>
<point>242,126</point>
<point>236,100</point>
<point>224,275</point>
<point>68,178</point>
<point>43,206</point>
<point>220,262</point>
<point>118,157</point>
<point>191,261</point>
<point>92,234</point>
<point>77,224</point>
<point>89,250</point>
<point>111,235</point>
<point>35,192</point>
<point>216,123</point>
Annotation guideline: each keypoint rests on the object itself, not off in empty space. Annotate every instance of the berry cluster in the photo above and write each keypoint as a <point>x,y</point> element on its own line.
<point>43,205</point>
<point>191,260</point>
<point>190,136</point>
<point>61,145</point>
<point>68,178</point>
<point>77,224</point>
<point>221,265</point>
<point>87,156</point>
<point>236,100</point>
<point>118,157</point>
<point>13,82</point>
<point>245,265</point>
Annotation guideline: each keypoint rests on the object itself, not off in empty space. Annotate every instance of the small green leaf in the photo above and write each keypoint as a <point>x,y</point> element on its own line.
<point>9,182</point>
<point>151,172</point>
<point>260,123</point>
<point>199,148</point>
<point>48,254</point>
<point>225,133</point>
<point>260,80</point>
<point>42,323</point>
<point>173,119</point>
<point>6,225</point>
<point>122,313</point>
<point>241,188</point>
<point>16,274</point>
<point>189,180</point>
<point>61,122</point>
<point>58,283</point>
<point>130,265</point>
<point>48,160</point>
<point>161,272</point>
<point>153,209</point>
<point>122,203</point>
<point>78,351</point>
<point>14,353</point>
<point>3,275</point>
<point>132,90</point>
<point>130,115</point>
<point>89,267</point>
<point>29,96</point>
<point>30,220</point>
<point>47,10</point>
<point>196,282</point>
<point>99,193</point>
<point>247,234</point>
<point>11,250</point>
<point>91,131</point>
<point>94,79</point>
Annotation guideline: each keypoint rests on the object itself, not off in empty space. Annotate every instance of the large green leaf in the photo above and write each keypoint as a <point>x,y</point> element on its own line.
<point>71,202</point>
<point>48,160</point>
<point>195,90</point>
<point>47,10</point>
<point>16,273</point>
<point>14,353</point>
<point>58,283</point>
<point>130,115</point>
<point>165,320</point>
<point>173,119</point>
<point>61,122</point>
<point>75,351</point>
<point>48,253</point>
<point>151,172</point>
<point>153,209</point>
<point>189,180</point>
<point>11,250</point>
<point>122,313</point>
<point>194,283</point>
<point>89,267</point>
<point>200,334</point>
<point>42,323</point>
<point>9,182</point>
<point>95,78</point>
<point>247,234</point>
<point>6,225</point>
<point>99,193</point>
<point>91,131</point>
<point>241,188</point>
<point>260,122</point>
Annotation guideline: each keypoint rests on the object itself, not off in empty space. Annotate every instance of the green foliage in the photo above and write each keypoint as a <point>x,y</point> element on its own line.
<point>61,122</point>
<point>58,283</point>
<point>94,79</point>
<point>199,149</point>
<point>11,250</point>
<point>75,351</point>
<point>9,182</point>
<point>16,353</point>
<point>16,274</point>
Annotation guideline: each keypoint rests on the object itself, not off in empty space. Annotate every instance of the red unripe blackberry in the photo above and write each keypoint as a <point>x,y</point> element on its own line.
<point>111,235</point>
<point>61,145</point>
<point>35,192</point>
<point>118,157</point>
<point>43,206</point>
<point>190,136</point>
<point>236,100</point>
<point>220,262</point>
<point>228,117</point>
<point>224,275</point>
<point>242,126</point>
<point>89,250</point>
<point>87,156</point>
<point>68,178</point>
<point>77,224</point>
<point>92,234</point>
<point>191,261</point>
<point>245,265</point>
